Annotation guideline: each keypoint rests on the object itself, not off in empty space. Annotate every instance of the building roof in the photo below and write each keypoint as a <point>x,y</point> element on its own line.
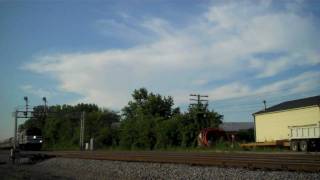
<point>298,103</point>
<point>236,126</point>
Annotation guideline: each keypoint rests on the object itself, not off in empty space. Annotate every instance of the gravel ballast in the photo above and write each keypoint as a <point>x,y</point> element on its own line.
<point>98,169</point>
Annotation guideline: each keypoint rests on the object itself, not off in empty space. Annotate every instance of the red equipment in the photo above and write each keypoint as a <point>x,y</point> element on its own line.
<point>209,135</point>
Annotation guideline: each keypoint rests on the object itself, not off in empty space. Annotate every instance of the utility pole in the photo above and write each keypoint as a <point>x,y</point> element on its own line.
<point>82,119</point>
<point>199,99</point>
<point>200,110</point>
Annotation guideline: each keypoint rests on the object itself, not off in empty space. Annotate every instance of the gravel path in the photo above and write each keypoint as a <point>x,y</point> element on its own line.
<point>64,168</point>
<point>96,169</point>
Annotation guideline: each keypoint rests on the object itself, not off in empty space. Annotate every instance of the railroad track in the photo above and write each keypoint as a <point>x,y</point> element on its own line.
<point>266,161</point>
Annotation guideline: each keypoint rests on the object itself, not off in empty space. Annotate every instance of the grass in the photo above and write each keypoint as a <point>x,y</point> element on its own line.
<point>220,146</point>
<point>60,147</point>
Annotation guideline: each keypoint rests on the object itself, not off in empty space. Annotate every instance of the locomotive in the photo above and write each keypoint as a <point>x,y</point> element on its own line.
<point>27,139</point>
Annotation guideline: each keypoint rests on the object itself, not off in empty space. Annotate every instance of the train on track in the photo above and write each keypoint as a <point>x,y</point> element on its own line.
<point>27,139</point>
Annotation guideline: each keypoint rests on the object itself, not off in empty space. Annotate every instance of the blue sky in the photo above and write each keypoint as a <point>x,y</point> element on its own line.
<point>237,52</point>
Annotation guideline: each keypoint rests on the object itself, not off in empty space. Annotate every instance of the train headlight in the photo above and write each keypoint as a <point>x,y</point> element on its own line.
<point>40,141</point>
<point>34,137</point>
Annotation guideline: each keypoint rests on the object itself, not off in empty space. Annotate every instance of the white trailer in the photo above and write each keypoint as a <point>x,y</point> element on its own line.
<point>305,137</point>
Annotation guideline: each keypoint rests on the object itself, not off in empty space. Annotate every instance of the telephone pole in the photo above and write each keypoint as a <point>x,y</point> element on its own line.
<point>201,108</point>
<point>199,99</point>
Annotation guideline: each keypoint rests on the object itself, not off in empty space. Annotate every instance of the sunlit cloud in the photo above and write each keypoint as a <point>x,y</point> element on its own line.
<point>221,44</point>
<point>39,92</point>
<point>297,84</point>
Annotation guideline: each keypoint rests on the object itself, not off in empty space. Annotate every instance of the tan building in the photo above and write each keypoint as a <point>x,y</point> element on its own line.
<point>274,123</point>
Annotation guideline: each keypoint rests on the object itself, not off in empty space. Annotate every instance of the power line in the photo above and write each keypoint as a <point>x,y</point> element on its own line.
<point>269,93</point>
<point>199,100</point>
<point>249,106</point>
<point>240,110</point>
<point>270,99</point>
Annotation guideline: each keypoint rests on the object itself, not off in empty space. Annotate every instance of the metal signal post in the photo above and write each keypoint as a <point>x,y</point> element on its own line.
<point>15,130</point>
<point>82,119</point>
<point>21,114</point>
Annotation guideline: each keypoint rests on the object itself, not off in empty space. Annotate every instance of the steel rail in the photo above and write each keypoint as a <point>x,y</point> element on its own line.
<point>279,157</point>
<point>264,159</point>
<point>292,162</point>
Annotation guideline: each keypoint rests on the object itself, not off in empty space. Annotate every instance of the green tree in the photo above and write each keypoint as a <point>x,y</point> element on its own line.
<point>196,118</point>
<point>61,124</point>
<point>148,121</point>
<point>168,134</point>
<point>141,115</point>
<point>149,104</point>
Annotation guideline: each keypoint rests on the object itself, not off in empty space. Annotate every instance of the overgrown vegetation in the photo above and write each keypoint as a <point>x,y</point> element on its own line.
<point>150,121</point>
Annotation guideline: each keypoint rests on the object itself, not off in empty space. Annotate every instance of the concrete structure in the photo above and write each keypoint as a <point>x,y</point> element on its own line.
<point>273,124</point>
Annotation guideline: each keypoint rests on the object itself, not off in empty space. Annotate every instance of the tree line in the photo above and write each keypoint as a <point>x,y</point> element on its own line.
<point>149,121</point>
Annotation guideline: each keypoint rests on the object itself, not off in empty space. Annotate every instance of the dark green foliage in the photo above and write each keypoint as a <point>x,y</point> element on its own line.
<point>145,103</point>
<point>168,134</point>
<point>138,128</point>
<point>138,132</point>
<point>246,135</point>
<point>61,125</point>
<point>197,118</point>
<point>149,121</point>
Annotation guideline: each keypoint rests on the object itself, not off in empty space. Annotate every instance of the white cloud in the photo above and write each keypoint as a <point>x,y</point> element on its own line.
<point>303,82</point>
<point>37,91</point>
<point>220,44</point>
<point>298,84</point>
<point>200,82</point>
<point>123,30</point>
<point>230,91</point>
